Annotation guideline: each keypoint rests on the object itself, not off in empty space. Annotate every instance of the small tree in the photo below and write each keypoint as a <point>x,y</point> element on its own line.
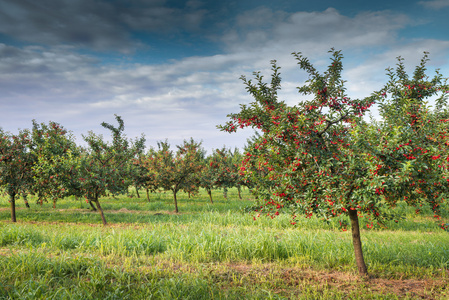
<point>53,170</point>
<point>105,166</point>
<point>16,161</point>
<point>136,172</point>
<point>225,170</point>
<point>313,151</point>
<point>174,170</point>
<point>142,175</point>
<point>191,185</point>
<point>207,176</point>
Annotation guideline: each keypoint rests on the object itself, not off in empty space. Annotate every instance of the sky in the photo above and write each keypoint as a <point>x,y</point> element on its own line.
<point>171,69</point>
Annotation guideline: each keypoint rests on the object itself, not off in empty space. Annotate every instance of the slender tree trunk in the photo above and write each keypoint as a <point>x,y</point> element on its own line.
<point>148,194</point>
<point>225,193</point>
<point>188,193</point>
<point>54,203</point>
<point>176,200</point>
<point>239,190</point>
<point>361,266</point>
<point>101,211</point>
<point>26,201</point>
<point>209,192</point>
<point>92,205</point>
<point>137,192</point>
<point>13,207</point>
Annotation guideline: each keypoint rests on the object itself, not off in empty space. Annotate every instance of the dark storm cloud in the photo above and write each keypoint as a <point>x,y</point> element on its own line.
<point>156,17</point>
<point>96,24</point>
<point>82,23</point>
<point>436,4</point>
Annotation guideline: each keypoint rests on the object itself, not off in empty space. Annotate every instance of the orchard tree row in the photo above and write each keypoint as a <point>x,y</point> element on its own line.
<point>327,157</point>
<point>46,162</point>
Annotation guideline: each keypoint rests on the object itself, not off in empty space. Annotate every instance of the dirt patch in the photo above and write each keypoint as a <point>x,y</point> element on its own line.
<point>123,210</point>
<point>292,280</point>
<point>140,212</point>
<point>108,211</point>
<point>5,252</point>
<point>9,208</point>
<point>414,288</point>
<point>287,281</point>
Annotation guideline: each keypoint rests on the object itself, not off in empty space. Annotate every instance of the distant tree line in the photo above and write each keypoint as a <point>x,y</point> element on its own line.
<point>46,162</point>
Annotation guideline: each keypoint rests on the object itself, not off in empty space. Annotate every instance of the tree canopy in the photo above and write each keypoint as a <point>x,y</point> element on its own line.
<point>312,157</point>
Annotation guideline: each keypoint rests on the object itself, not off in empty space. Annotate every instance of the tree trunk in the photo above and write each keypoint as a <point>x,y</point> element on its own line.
<point>26,201</point>
<point>148,194</point>
<point>92,205</point>
<point>239,190</point>
<point>361,266</point>
<point>101,211</point>
<point>13,207</point>
<point>176,200</point>
<point>209,192</point>
<point>225,193</point>
<point>188,193</point>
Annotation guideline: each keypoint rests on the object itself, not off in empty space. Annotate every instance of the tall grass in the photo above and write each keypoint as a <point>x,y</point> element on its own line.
<point>148,252</point>
<point>220,241</point>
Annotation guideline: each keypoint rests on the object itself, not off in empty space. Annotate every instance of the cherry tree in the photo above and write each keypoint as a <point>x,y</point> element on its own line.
<point>225,168</point>
<point>173,170</point>
<point>104,167</point>
<point>16,161</point>
<point>207,176</point>
<point>142,175</point>
<point>54,171</point>
<point>312,156</point>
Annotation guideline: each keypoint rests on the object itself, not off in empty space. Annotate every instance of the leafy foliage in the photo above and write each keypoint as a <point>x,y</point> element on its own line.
<point>16,161</point>
<point>321,157</point>
<point>175,171</point>
<point>54,151</point>
<point>406,152</point>
<point>104,167</point>
<point>304,154</point>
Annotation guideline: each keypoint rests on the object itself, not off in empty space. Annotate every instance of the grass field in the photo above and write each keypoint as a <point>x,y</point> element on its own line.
<point>211,251</point>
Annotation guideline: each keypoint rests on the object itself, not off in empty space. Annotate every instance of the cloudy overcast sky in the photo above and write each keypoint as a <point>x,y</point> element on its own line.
<point>171,68</point>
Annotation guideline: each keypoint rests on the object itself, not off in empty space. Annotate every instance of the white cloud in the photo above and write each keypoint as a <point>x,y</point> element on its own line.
<point>165,101</point>
<point>312,32</point>
<point>189,97</point>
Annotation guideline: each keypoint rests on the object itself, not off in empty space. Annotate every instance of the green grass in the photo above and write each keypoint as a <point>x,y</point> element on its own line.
<point>211,251</point>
